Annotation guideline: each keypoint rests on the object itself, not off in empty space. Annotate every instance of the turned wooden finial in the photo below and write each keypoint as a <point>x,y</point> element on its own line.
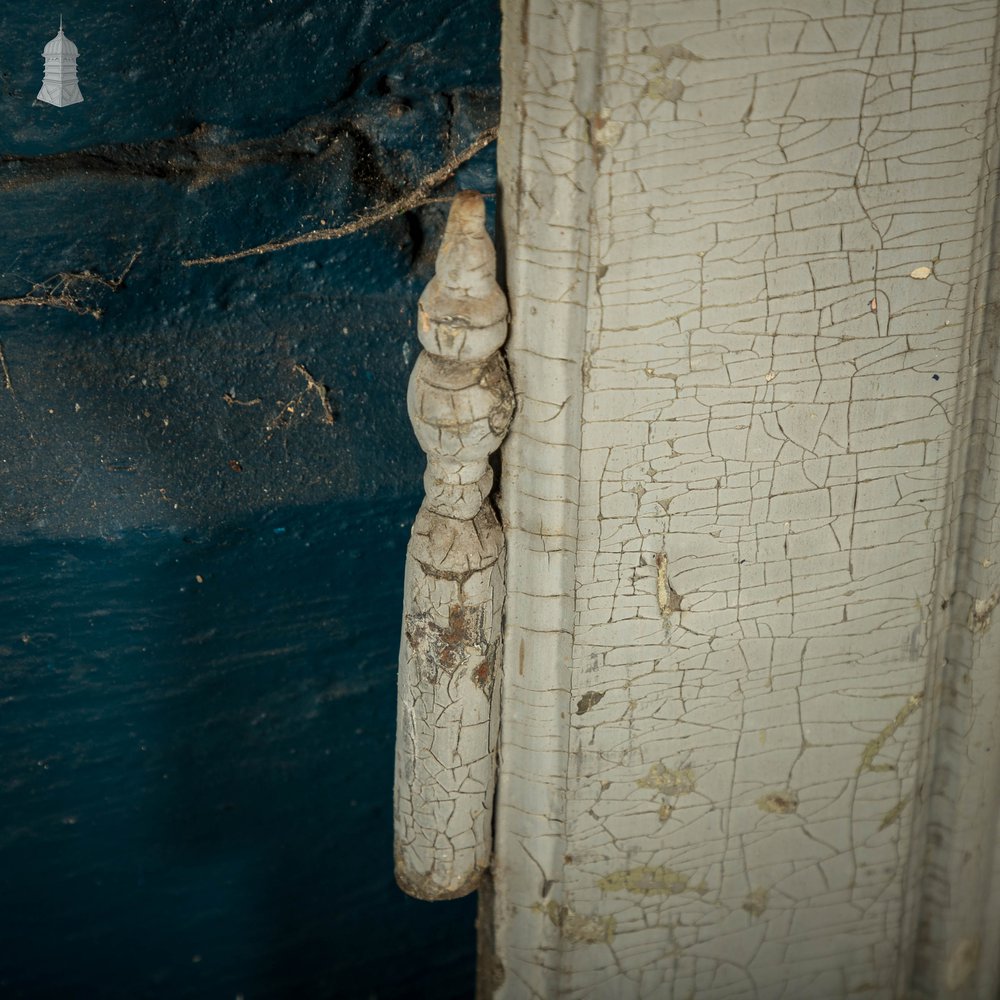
<point>460,402</point>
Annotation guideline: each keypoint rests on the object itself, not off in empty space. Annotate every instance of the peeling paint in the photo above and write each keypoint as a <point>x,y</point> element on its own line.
<point>446,648</point>
<point>670,781</point>
<point>962,963</point>
<point>874,747</point>
<point>578,927</point>
<point>605,133</point>
<point>981,616</point>
<point>664,88</point>
<point>671,51</point>
<point>588,701</point>
<point>646,881</point>
<point>778,802</point>
<point>667,598</point>
<point>894,813</point>
<point>756,902</point>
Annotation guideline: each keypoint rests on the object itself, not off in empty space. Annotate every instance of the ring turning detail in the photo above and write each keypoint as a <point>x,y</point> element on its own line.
<point>460,403</point>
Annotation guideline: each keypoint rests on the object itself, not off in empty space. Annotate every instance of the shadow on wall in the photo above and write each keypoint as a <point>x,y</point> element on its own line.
<point>196,776</point>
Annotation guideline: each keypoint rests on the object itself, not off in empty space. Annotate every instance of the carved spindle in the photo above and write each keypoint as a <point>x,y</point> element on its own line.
<point>460,403</point>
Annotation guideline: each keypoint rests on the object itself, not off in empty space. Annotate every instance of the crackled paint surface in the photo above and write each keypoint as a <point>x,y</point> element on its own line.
<point>747,246</point>
<point>460,402</point>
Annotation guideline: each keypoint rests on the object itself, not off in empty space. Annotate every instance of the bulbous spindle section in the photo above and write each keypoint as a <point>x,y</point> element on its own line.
<point>460,402</point>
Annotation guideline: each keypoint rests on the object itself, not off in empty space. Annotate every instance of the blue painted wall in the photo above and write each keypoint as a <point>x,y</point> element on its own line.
<point>199,572</point>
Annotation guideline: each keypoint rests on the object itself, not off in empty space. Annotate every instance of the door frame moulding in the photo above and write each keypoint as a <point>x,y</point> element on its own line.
<point>950,917</point>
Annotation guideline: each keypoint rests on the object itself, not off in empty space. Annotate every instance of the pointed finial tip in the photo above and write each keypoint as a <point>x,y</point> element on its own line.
<point>468,212</point>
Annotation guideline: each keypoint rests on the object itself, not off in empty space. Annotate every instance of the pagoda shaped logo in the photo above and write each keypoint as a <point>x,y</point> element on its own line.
<point>60,86</point>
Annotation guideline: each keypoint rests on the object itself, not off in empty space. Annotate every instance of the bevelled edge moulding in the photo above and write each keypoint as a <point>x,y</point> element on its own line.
<point>460,403</point>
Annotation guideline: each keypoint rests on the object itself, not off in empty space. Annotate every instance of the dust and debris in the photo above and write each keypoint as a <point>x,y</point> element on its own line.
<point>415,198</point>
<point>287,410</point>
<point>8,385</point>
<point>231,400</point>
<point>63,290</point>
<point>322,392</point>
